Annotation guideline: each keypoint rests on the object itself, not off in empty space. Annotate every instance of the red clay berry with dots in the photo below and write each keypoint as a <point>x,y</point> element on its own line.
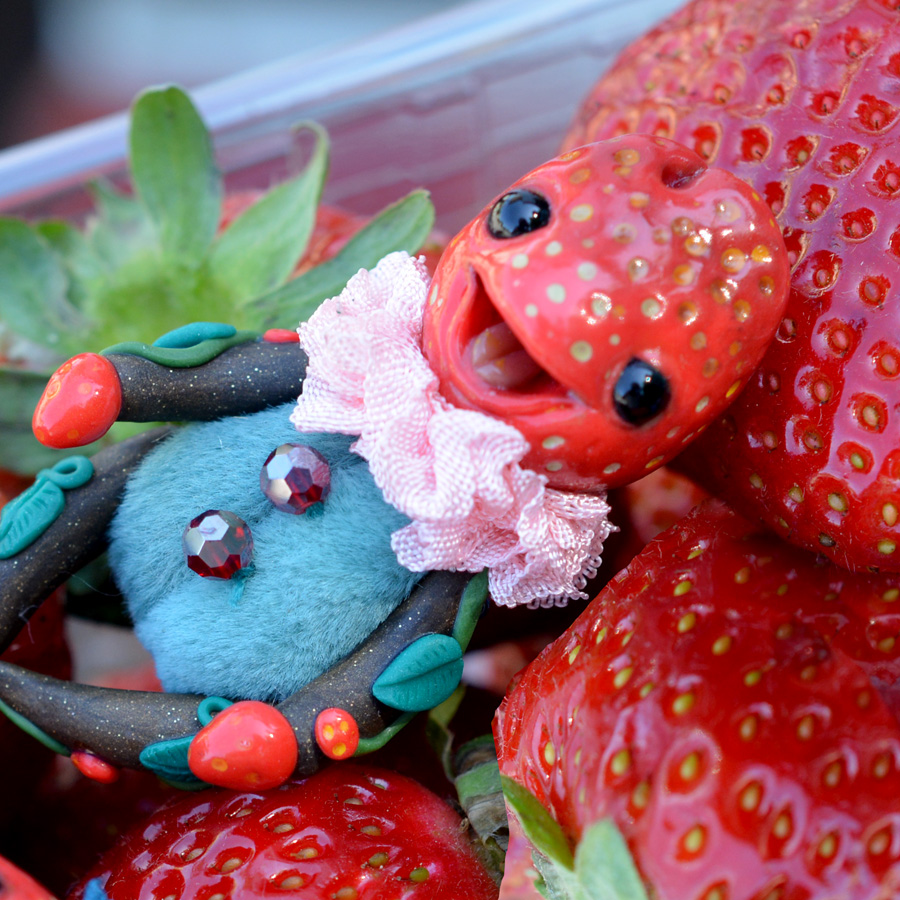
<point>730,703</point>
<point>801,101</point>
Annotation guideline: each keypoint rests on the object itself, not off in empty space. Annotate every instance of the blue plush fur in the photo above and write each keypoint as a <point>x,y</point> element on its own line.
<point>320,582</point>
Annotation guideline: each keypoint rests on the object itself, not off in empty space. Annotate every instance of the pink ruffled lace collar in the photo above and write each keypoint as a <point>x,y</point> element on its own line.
<point>455,473</point>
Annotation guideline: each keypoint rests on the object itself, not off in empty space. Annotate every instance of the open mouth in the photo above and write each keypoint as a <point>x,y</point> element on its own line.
<point>494,353</point>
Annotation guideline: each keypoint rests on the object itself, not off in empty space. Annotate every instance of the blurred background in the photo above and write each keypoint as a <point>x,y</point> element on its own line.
<point>65,62</point>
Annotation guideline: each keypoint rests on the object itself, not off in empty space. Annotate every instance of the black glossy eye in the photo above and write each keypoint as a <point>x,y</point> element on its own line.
<point>518,212</point>
<point>641,392</point>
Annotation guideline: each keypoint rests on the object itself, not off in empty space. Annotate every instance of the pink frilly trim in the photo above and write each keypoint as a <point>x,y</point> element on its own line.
<point>454,472</point>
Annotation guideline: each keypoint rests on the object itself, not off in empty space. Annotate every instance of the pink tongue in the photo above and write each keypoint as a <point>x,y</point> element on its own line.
<point>499,359</point>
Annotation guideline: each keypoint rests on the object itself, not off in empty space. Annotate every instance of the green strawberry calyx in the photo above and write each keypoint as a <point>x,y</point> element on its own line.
<point>600,867</point>
<point>148,262</point>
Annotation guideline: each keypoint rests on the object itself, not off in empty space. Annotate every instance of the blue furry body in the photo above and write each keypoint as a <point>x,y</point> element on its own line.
<point>320,583</point>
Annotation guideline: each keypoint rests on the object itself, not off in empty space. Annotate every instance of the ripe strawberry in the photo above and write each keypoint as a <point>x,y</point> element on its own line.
<point>646,508</point>
<point>800,101</point>
<point>609,305</point>
<point>719,703</point>
<point>346,832</point>
<point>16,885</point>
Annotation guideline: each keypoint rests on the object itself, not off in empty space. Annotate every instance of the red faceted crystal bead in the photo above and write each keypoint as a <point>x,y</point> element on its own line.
<point>217,544</point>
<point>294,477</point>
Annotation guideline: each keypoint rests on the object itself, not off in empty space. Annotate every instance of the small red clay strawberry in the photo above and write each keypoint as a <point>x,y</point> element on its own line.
<point>16,885</point>
<point>346,833</point>
<point>800,100</point>
<point>719,705</point>
<point>608,305</point>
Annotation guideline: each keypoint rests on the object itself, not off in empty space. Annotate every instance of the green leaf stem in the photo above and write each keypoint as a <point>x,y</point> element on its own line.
<point>33,287</point>
<point>601,868</point>
<point>261,247</point>
<point>174,172</point>
<point>403,225</point>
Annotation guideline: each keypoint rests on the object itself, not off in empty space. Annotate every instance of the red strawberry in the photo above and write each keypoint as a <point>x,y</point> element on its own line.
<point>718,704</point>
<point>346,833</point>
<point>800,100</point>
<point>609,305</point>
<point>647,507</point>
<point>16,885</point>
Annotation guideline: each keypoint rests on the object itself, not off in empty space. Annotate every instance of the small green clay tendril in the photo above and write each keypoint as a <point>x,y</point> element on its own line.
<point>470,608</point>
<point>30,728</point>
<point>376,742</point>
<point>71,472</point>
<point>182,357</point>
<point>209,707</point>
<point>195,333</point>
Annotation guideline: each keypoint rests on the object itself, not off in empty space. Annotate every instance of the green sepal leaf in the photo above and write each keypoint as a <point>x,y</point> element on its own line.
<point>120,228</point>
<point>601,868</point>
<point>403,225</point>
<point>422,675</point>
<point>174,172</point>
<point>604,869</point>
<point>33,287</point>
<point>20,391</point>
<point>541,829</point>
<point>604,866</point>
<point>21,452</point>
<point>83,265</point>
<point>261,247</point>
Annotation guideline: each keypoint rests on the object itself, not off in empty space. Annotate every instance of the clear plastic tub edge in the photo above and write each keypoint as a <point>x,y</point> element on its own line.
<point>461,103</point>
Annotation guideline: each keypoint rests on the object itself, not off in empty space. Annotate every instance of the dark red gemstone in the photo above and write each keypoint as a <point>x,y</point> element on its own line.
<point>294,477</point>
<point>217,544</point>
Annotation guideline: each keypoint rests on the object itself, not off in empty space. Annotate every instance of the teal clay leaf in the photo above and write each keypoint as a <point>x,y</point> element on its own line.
<point>25,518</point>
<point>28,516</point>
<point>174,172</point>
<point>422,675</point>
<point>169,760</point>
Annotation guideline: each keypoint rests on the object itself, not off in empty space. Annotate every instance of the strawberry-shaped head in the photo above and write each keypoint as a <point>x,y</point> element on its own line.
<point>608,305</point>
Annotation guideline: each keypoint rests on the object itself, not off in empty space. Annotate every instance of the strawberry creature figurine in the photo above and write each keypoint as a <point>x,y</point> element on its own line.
<point>306,572</point>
